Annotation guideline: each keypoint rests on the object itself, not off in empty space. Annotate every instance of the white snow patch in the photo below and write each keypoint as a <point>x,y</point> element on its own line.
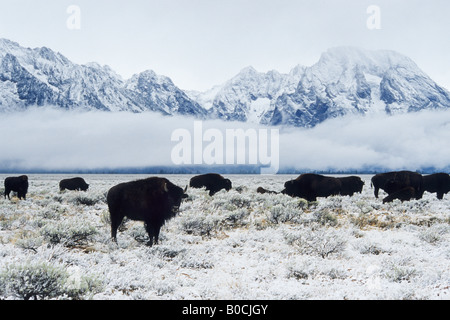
<point>257,108</point>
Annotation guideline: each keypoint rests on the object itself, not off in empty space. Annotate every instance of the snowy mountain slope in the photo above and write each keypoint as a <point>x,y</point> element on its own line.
<point>248,95</point>
<point>158,93</point>
<point>355,81</point>
<point>37,77</point>
<point>345,80</point>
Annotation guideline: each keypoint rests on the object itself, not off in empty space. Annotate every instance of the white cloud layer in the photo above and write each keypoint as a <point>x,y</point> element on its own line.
<point>50,139</point>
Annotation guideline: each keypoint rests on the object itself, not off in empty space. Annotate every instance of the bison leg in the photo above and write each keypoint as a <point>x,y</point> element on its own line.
<point>440,195</point>
<point>375,192</point>
<point>115,223</point>
<point>153,233</point>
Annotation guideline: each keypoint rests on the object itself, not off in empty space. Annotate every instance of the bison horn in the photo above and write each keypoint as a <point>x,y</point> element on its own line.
<point>165,187</point>
<point>185,189</point>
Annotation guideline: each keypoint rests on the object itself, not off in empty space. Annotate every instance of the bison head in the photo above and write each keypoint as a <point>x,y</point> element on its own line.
<point>227,183</point>
<point>175,194</point>
<point>288,187</point>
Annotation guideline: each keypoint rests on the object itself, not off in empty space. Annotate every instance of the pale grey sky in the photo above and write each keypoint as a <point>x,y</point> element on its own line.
<point>202,43</point>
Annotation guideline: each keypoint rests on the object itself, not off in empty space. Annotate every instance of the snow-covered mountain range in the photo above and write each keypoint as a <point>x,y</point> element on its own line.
<point>38,77</point>
<point>345,80</point>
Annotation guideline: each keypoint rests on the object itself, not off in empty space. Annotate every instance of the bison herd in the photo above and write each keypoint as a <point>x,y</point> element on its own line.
<point>156,200</point>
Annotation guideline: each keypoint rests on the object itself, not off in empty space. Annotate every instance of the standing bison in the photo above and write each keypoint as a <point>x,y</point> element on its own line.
<point>153,200</point>
<point>309,186</point>
<point>399,179</point>
<point>379,181</point>
<point>437,182</point>
<point>73,184</point>
<point>212,181</point>
<point>16,184</point>
<point>351,185</point>
<point>404,194</point>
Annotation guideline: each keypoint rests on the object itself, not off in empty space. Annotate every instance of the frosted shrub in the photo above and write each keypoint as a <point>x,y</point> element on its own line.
<point>199,225</point>
<point>33,281</point>
<point>105,218</point>
<point>42,280</point>
<point>297,272</point>
<point>240,201</point>
<point>28,241</point>
<point>85,200</point>
<point>195,262</point>
<point>399,269</point>
<point>366,247</point>
<point>49,214</point>
<point>281,214</point>
<point>434,234</point>
<point>325,217</point>
<point>162,287</point>
<point>236,218</point>
<point>321,242</point>
<point>5,222</point>
<point>70,232</point>
<point>401,273</point>
<point>166,252</point>
<point>230,201</point>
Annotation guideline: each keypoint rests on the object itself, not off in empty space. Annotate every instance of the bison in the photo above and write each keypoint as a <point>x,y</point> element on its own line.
<point>16,184</point>
<point>262,191</point>
<point>437,182</point>
<point>351,185</point>
<point>403,179</point>
<point>392,186</point>
<point>153,200</point>
<point>212,181</point>
<point>73,184</point>
<point>379,180</point>
<point>309,186</point>
<point>404,194</point>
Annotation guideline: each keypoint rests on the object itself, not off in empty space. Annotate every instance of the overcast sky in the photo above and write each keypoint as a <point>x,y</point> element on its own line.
<point>202,43</point>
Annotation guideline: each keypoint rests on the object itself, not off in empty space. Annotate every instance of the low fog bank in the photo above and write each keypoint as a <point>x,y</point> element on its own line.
<point>48,139</point>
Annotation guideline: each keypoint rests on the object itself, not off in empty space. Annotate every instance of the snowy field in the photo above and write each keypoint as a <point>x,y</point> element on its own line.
<point>235,245</point>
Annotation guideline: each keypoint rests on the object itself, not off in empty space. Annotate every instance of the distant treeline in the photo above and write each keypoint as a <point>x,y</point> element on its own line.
<point>244,169</point>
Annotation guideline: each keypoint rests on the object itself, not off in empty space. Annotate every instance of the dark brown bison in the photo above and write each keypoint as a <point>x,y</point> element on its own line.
<point>437,182</point>
<point>73,184</point>
<point>262,191</point>
<point>16,184</point>
<point>309,186</point>
<point>404,194</point>
<point>213,182</point>
<point>379,180</point>
<point>351,185</point>
<point>153,200</point>
<point>392,186</point>
<point>402,180</point>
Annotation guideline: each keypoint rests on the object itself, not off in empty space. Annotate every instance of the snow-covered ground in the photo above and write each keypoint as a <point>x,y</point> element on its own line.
<point>235,245</point>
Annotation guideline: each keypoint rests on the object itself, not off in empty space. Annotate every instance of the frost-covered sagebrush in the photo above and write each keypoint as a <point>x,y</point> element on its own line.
<point>235,245</point>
